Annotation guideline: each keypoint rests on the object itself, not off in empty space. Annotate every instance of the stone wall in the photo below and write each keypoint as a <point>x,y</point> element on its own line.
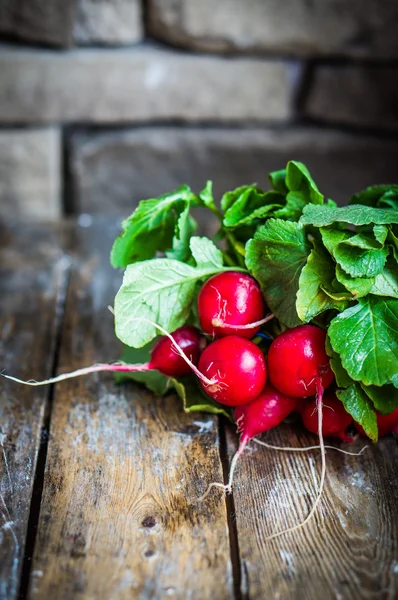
<point>105,102</point>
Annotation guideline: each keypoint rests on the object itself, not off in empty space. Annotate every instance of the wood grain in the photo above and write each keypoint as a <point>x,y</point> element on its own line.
<point>120,517</point>
<point>33,272</point>
<point>349,551</point>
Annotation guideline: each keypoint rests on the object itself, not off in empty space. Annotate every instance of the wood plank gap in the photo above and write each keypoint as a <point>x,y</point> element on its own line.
<point>34,512</point>
<point>231,516</point>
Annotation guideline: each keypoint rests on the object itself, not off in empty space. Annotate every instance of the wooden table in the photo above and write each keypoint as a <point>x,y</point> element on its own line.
<point>99,483</point>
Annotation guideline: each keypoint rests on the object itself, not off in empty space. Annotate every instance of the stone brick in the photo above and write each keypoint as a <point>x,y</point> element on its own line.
<point>116,86</point>
<point>111,172</point>
<point>108,22</point>
<point>298,27</point>
<point>353,95</point>
<point>43,21</point>
<point>30,174</point>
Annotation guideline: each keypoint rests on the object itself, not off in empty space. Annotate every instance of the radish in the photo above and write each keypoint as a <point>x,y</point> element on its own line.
<point>301,365</point>
<point>231,303</point>
<point>335,417</point>
<point>236,369</point>
<point>385,423</point>
<point>167,360</point>
<point>298,363</point>
<point>174,355</point>
<point>268,410</point>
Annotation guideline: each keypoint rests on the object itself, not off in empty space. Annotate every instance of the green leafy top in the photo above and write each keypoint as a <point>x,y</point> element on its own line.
<point>275,257</point>
<point>366,337</point>
<point>382,196</point>
<point>313,260</point>
<point>298,179</point>
<point>151,227</point>
<point>321,216</point>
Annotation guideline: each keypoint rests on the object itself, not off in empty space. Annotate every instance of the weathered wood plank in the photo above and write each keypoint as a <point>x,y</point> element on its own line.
<point>124,470</point>
<point>33,272</point>
<point>350,549</point>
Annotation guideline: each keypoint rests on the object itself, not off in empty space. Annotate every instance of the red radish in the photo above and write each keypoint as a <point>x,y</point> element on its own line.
<point>267,411</point>
<point>231,303</point>
<point>164,357</point>
<point>173,355</point>
<point>236,368</point>
<point>385,424</point>
<point>298,363</point>
<point>335,417</point>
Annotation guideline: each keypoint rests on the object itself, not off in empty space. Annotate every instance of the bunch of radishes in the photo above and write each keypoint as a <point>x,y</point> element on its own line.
<point>234,371</point>
<point>263,390</point>
<point>333,269</point>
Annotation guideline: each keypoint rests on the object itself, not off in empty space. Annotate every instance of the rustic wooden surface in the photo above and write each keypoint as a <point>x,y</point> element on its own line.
<point>119,515</point>
<point>33,275</point>
<point>348,551</point>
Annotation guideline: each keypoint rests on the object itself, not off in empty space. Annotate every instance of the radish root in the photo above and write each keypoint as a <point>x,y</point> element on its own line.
<point>227,487</point>
<point>323,470</point>
<point>308,448</point>
<point>210,487</point>
<point>219,323</point>
<point>117,366</point>
<point>234,461</point>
